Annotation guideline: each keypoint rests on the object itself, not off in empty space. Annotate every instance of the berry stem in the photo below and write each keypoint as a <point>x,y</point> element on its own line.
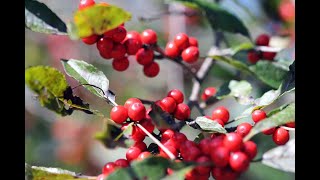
<point>155,140</point>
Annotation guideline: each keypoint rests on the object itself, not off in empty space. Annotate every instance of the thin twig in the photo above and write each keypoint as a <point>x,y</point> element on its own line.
<point>155,140</point>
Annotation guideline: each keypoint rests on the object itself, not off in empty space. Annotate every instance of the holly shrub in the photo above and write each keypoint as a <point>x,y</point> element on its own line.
<point>224,147</point>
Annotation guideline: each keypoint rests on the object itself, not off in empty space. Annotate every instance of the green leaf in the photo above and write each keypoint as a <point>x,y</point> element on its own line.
<point>235,63</point>
<point>151,168</point>
<point>285,116</point>
<point>112,137</point>
<point>50,85</point>
<point>86,73</point>
<point>53,91</point>
<point>209,125</point>
<point>161,118</point>
<point>46,173</point>
<point>39,77</point>
<point>270,73</point>
<point>289,82</point>
<point>178,175</point>
<point>199,137</point>
<point>242,47</point>
<point>276,110</point>
<point>281,157</point>
<point>267,98</point>
<point>219,18</point>
<point>39,18</point>
<point>240,88</point>
<point>98,19</point>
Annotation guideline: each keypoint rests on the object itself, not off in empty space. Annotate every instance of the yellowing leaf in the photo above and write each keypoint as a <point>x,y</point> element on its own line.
<point>98,19</point>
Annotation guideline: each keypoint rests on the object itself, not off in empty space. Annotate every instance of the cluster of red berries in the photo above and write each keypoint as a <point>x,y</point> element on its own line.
<point>280,135</point>
<point>117,44</point>
<point>254,56</point>
<point>174,105</point>
<point>184,46</point>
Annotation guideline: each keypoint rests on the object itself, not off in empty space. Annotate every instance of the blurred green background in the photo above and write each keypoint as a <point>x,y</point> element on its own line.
<point>67,142</point>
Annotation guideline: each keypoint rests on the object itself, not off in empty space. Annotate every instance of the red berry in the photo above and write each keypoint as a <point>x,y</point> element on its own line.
<point>182,112</point>
<point>216,142</point>
<point>141,145</point>
<point>193,41</point>
<point>280,136</point>
<point>151,70</point>
<point>102,177</point>
<point>144,56</point>
<point>220,122</point>
<point>224,174</point>
<point>119,114</point>
<point>268,55</point>
<point>118,51</point>
<point>233,141</point>
<point>258,115</point>
<point>186,145</point>
<point>171,142</point>
<point>132,42</point>
<point>250,149</point>
<point>171,149</point>
<point>239,161</point>
<point>177,95</point>
<point>291,124</point>
<point>132,153</point>
<point>133,35</point>
<point>86,3</point>
<point>208,92</point>
<point>190,55</point>
<point>220,156</point>
<point>286,10</point>
<point>172,50</point>
<point>143,155</point>
<point>220,113</point>
<point>179,138</point>
<point>147,124</point>
<point>119,34</point>
<point>243,129</point>
<point>269,131</point>
<point>253,57</point>
<point>91,39</point>
<point>136,111</point>
<point>131,101</point>
<point>203,169</point>
<point>110,33</point>
<point>167,134</point>
<point>263,40</point>
<point>120,64</point>
<point>105,45</point>
<point>137,135</point>
<point>149,36</point>
<point>122,163</point>
<point>105,54</point>
<point>109,168</point>
<point>204,146</point>
<point>181,40</point>
<point>168,104</point>
<point>191,154</point>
